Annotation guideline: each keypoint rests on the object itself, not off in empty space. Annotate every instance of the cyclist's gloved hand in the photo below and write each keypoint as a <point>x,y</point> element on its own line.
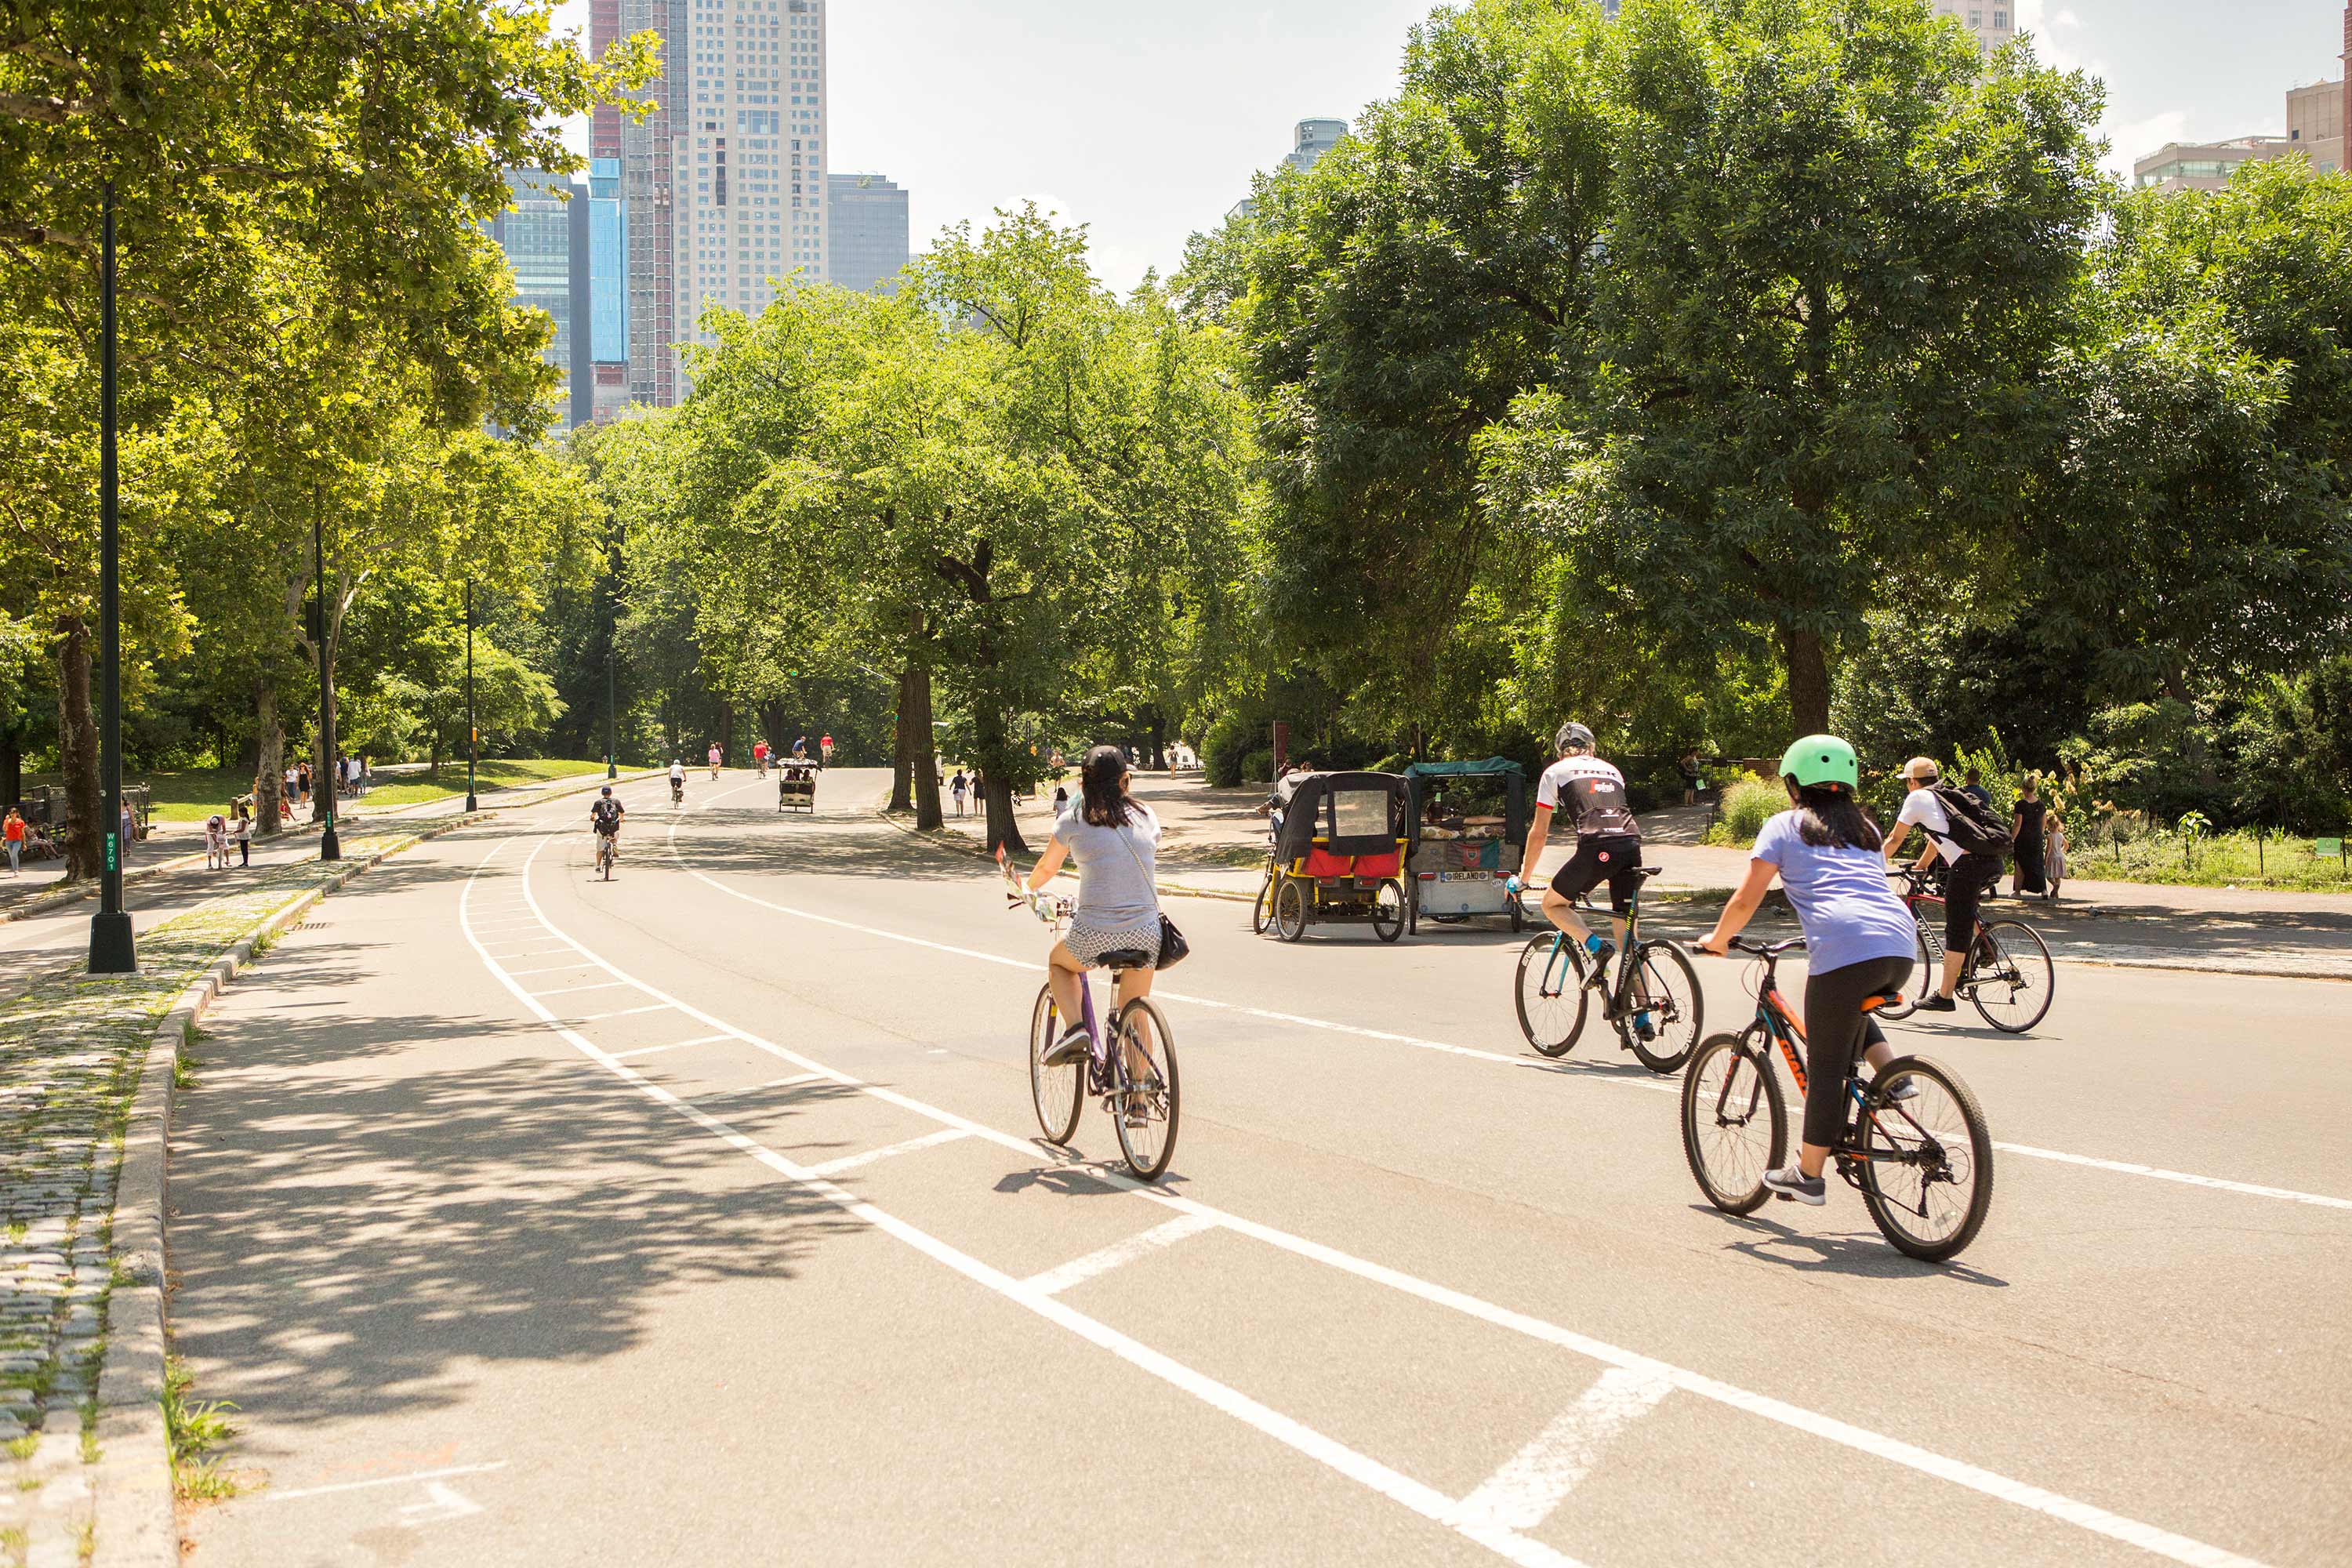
<point>1512,885</point>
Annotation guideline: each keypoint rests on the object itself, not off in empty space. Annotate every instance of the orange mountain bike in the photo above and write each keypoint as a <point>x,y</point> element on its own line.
<point>1922,1162</point>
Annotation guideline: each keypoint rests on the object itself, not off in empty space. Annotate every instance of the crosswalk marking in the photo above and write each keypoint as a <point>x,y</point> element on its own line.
<point>1056,1281</point>
<point>851,1162</point>
<point>674,1044</point>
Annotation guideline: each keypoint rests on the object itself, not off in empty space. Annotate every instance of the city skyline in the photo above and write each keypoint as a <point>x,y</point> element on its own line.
<point>1147,127</point>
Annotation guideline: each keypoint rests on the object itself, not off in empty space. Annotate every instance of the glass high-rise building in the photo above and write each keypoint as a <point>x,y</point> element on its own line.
<point>865,223</point>
<point>608,287</point>
<point>544,232</point>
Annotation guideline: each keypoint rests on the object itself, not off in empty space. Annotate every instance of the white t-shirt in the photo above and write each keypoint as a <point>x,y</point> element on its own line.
<point>678,770</point>
<point>1921,808</point>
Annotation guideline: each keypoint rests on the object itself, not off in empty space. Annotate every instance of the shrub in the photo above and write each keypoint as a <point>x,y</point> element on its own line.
<point>1257,767</point>
<point>1749,803</point>
<point>1224,749</point>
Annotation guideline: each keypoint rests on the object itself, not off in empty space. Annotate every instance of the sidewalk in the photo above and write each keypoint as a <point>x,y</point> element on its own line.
<point>1212,844</point>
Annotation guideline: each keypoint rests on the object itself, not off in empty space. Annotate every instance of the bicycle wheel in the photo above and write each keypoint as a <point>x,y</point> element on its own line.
<point>1735,1121</point>
<point>1290,909</point>
<point>2013,979</point>
<point>1926,1175</point>
<point>1549,992</point>
<point>1922,981</point>
<point>1145,1108</point>
<point>1388,910</point>
<point>1261,907</point>
<point>1056,1092</point>
<point>1665,988</point>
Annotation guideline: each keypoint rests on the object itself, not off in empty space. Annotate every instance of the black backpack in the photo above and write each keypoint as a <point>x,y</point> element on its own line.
<point>1974,828</point>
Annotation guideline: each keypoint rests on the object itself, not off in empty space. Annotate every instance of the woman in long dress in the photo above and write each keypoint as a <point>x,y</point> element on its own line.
<point>2026,874</point>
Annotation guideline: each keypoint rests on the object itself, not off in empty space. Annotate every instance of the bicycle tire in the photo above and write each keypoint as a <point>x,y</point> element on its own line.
<point>1880,1130</point>
<point>1262,908</point>
<point>1057,1093</point>
<point>2017,950</point>
<point>1545,1036</point>
<point>1667,1062</point>
<point>1389,929</point>
<point>1146,1154</point>
<point>1729,1081</point>
<point>1290,909</point>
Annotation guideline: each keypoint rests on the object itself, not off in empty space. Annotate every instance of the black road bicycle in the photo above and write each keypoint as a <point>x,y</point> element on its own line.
<point>1922,1160</point>
<point>2008,976</point>
<point>1653,1002</point>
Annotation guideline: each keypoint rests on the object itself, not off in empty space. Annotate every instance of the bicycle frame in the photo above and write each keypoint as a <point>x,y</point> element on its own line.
<point>1623,956</point>
<point>1787,1030</point>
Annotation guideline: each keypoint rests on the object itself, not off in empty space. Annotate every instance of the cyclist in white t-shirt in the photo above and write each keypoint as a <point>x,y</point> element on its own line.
<point>1966,876</point>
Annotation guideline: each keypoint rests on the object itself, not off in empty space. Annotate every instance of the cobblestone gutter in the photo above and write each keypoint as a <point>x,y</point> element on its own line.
<point>86,1068</point>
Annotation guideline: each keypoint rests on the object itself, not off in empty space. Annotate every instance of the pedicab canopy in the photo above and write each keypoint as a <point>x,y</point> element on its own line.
<point>1353,813</point>
<point>1514,784</point>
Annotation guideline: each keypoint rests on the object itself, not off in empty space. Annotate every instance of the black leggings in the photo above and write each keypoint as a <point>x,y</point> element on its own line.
<point>1836,1032</point>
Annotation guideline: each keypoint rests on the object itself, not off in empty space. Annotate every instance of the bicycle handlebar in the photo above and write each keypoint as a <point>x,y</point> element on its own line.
<point>1766,949</point>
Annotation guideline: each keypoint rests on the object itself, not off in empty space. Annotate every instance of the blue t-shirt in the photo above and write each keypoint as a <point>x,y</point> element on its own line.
<point>1849,914</point>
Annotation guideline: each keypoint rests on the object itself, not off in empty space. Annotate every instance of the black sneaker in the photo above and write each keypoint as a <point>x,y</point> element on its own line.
<point>1789,1182</point>
<point>1602,957</point>
<point>1076,1044</point>
<point>1934,1004</point>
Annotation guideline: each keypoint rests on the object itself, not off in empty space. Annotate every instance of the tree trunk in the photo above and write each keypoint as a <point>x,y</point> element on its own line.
<point>269,764</point>
<point>922,750</point>
<point>902,750</point>
<point>12,770</point>
<point>1809,680</point>
<point>77,752</point>
<point>772,726</point>
<point>727,734</point>
<point>993,749</point>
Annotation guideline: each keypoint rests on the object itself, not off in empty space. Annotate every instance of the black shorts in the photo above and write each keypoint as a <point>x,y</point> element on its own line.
<point>1616,859</point>
<point>1965,880</point>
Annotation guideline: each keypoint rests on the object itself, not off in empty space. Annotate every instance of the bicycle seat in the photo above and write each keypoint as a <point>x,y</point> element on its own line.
<point>1877,999</point>
<point>1646,872</point>
<point>1125,958</point>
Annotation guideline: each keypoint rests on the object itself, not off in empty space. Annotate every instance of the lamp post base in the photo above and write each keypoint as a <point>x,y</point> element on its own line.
<point>112,949</point>
<point>470,806</point>
<point>331,846</point>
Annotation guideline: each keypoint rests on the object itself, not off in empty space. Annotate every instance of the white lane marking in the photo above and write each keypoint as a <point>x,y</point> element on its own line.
<point>442,1502</point>
<point>1053,1281</point>
<point>756,1088</point>
<point>626,1013</point>
<point>2163,1542</point>
<point>550,969</point>
<point>889,1151</point>
<point>382,1481</point>
<point>2120,1167</point>
<point>1425,1500</point>
<point>568,990</point>
<point>673,1046</point>
<point>1533,1482</point>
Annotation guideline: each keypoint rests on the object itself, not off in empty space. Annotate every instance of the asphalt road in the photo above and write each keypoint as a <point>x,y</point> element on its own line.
<point>529,1218</point>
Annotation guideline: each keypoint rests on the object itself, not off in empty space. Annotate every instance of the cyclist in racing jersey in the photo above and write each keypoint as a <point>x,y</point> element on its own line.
<point>1591,794</point>
<point>604,816</point>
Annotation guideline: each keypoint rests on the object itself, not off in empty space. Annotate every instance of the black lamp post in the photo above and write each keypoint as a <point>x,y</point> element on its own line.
<point>471,732</point>
<point>112,949</point>
<point>329,847</point>
<point>612,716</point>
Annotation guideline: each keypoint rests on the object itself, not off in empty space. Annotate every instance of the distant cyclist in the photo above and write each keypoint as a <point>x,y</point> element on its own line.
<point>676,781</point>
<point>800,750</point>
<point>714,758</point>
<point>1967,872</point>
<point>1858,936</point>
<point>604,816</point>
<point>1591,793</point>
<point>760,757</point>
<point>824,751</point>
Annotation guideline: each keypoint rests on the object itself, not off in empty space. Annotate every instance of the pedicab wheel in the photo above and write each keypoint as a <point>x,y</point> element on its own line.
<point>1145,1107</point>
<point>1928,1181</point>
<point>1735,1121</point>
<point>1290,909</point>
<point>1388,910</point>
<point>1549,994</point>
<point>1057,1092</point>
<point>1261,907</point>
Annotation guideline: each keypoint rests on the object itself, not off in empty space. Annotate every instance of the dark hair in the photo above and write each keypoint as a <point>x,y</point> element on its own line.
<point>1829,816</point>
<point>1107,805</point>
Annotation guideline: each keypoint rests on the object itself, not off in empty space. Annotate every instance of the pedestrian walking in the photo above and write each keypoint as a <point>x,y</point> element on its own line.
<point>1693,776</point>
<point>2053,852</point>
<point>302,781</point>
<point>1972,785</point>
<point>12,830</point>
<point>130,830</point>
<point>2026,873</point>
<point>1061,800</point>
<point>955,788</point>
<point>241,830</point>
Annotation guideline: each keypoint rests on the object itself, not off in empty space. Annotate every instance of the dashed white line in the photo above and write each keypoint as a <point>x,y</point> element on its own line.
<point>568,990</point>
<point>673,1046</point>
<point>1532,1482</point>
<point>889,1151</point>
<point>797,1078</point>
<point>1053,1281</point>
<point>384,1481</point>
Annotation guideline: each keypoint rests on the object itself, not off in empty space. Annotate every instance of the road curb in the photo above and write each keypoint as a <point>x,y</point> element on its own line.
<point>136,1523</point>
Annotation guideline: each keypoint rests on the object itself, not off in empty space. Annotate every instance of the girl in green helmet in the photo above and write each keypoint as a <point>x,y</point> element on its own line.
<point>1858,936</point>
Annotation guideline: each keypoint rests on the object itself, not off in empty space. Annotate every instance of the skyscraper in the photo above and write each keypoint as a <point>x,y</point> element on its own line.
<point>608,287</point>
<point>866,224</point>
<point>1309,140</point>
<point>647,189</point>
<point>546,239</point>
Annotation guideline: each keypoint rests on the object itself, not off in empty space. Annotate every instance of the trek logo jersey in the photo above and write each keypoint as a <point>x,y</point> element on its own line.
<point>1590,793</point>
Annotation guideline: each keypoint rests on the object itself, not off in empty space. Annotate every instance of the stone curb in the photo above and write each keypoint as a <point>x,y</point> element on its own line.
<point>136,1524</point>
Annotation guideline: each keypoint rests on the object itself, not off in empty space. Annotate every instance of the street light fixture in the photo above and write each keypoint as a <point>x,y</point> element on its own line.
<point>112,949</point>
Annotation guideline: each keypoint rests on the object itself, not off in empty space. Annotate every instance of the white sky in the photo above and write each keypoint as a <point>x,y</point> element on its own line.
<point>1144,120</point>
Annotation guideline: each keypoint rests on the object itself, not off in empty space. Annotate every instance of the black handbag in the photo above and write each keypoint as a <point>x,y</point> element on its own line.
<point>1174,948</point>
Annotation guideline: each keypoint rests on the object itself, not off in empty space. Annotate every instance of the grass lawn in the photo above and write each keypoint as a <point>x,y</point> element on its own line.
<point>194,794</point>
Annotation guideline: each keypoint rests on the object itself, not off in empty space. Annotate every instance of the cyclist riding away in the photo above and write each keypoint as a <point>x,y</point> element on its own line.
<point>1115,840</point>
<point>800,750</point>
<point>604,816</point>
<point>1858,937</point>
<point>1966,875</point>
<point>714,758</point>
<point>676,781</point>
<point>824,751</point>
<point>1608,841</point>
<point>760,757</point>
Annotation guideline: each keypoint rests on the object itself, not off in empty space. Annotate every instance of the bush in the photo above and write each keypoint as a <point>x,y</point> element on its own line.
<point>1257,767</point>
<point>1224,747</point>
<point>1749,803</point>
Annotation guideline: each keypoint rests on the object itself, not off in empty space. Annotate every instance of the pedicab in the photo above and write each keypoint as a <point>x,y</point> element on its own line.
<point>1469,831</point>
<point>1339,856</point>
<point>796,785</point>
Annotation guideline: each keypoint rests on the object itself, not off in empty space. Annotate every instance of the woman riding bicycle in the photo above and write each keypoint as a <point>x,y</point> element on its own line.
<point>1858,936</point>
<point>1115,840</point>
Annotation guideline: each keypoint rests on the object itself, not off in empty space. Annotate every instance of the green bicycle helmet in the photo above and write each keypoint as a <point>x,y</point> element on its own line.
<point>1823,760</point>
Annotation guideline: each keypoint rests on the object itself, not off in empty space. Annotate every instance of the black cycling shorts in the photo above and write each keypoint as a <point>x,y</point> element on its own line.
<point>1965,880</point>
<point>1615,859</point>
